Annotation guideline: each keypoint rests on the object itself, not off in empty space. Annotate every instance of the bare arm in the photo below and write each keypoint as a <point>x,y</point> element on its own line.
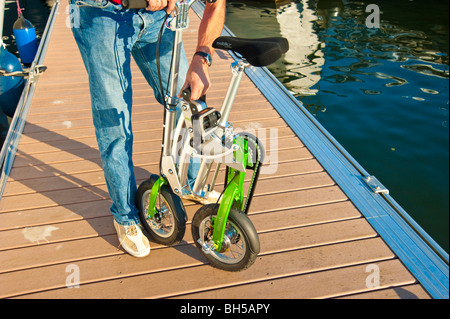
<point>211,26</point>
<point>197,77</point>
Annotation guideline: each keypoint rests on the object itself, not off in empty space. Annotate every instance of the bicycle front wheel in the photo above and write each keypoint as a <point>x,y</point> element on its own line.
<point>240,245</point>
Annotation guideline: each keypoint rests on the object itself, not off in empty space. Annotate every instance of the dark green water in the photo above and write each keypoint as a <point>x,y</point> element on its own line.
<point>381,92</point>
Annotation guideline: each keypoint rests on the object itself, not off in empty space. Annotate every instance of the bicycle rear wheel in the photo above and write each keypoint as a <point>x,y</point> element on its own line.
<point>168,225</point>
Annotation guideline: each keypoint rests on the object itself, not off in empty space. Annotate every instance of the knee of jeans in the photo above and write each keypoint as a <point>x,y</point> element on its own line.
<point>107,118</point>
<point>114,146</point>
<point>111,129</point>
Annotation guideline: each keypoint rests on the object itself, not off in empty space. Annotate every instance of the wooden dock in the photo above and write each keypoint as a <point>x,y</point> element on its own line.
<point>55,221</point>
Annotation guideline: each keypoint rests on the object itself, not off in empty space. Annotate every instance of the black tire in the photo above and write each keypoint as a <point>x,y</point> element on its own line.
<point>239,232</point>
<point>169,224</point>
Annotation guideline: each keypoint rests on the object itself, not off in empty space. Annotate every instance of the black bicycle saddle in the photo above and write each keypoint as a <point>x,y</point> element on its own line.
<point>257,52</point>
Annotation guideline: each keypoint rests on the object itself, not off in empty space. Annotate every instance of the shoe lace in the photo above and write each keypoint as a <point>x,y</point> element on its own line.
<point>131,231</point>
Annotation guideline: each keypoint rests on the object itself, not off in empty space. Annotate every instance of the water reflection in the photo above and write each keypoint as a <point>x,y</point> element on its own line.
<point>304,60</point>
<point>381,92</point>
<point>336,30</point>
<point>427,69</point>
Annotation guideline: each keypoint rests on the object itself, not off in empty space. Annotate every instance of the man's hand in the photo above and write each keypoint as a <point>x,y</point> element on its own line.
<point>156,5</point>
<point>197,78</point>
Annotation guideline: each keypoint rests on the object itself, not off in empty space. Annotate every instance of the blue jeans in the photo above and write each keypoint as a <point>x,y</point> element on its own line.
<point>107,37</point>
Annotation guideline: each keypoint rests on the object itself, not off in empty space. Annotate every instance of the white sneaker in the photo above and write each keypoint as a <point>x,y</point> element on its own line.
<point>211,199</point>
<point>133,239</point>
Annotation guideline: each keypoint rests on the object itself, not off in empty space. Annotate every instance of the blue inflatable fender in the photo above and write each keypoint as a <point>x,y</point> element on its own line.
<point>11,87</point>
<point>26,41</point>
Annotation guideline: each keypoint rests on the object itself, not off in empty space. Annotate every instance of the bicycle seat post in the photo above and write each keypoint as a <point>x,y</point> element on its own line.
<point>238,68</point>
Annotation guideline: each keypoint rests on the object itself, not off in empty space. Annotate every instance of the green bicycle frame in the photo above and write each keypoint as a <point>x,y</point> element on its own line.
<point>233,195</point>
<point>160,182</point>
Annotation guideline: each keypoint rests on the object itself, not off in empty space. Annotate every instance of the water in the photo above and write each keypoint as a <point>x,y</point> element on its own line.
<point>381,92</point>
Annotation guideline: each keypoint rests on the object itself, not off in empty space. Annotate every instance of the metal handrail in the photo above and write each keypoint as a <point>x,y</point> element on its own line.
<point>9,147</point>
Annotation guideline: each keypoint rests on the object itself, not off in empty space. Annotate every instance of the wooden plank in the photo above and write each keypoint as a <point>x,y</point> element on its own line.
<point>94,270</point>
<point>94,193</point>
<point>304,216</point>
<point>75,181</point>
<point>144,100</point>
<point>95,178</point>
<point>140,88</point>
<point>102,226</point>
<point>77,133</point>
<point>166,283</point>
<point>94,163</point>
<point>70,238</point>
<point>82,110</point>
<point>322,284</point>
<point>294,199</point>
<point>284,142</point>
<point>58,217</point>
<point>43,216</point>
<point>62,143</point>
<point>54,198</point>
<point>55,214</point>
<point>414,291</point>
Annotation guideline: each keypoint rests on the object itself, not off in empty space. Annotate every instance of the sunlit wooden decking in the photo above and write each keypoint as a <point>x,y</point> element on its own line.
<point>54,214</point>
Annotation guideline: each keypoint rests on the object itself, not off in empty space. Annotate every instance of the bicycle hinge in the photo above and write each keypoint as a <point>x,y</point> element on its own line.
<point>375,185</point>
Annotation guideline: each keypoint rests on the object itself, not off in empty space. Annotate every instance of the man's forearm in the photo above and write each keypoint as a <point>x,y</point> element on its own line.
<point>211,25</point>
<point>197,77</point>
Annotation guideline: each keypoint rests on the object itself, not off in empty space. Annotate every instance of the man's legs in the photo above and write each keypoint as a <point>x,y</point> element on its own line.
<point>105,36</point>
<point>105,40</point>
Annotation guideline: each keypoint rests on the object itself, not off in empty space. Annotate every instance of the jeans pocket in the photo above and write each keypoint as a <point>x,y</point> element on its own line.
<point>102,4</point>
